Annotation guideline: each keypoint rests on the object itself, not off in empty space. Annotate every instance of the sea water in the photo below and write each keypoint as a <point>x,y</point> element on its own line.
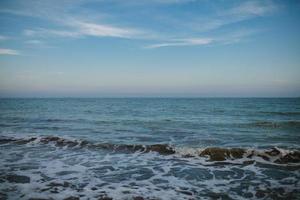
<point>150,148</point>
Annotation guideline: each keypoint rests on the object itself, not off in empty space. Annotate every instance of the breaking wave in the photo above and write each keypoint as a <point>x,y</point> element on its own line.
<point>274,155</point>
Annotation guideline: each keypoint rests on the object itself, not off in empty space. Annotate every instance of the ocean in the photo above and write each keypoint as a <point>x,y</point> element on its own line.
<point>150,148</point>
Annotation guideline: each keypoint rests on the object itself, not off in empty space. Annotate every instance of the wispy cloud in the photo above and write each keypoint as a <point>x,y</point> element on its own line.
<point>100,30</point>
<point>70,25</point>
<point>244,11</point>
<point>9,52</point>
<point>182,42</point>
<point>44,33</point>
<point>253,8</point>
<point>3,37</point>
<point>230,38</point>
<point>77,28</point>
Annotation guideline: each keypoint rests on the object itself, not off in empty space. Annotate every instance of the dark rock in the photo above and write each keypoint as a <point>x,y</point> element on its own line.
<point>292,157</point>
<point>38,199</point>
<point>72,198</point>
<point>138,198</point>
<point>161,148</point>
<point>264,157</point>
<point>105,198</point>
<point>54,184</point>
<point>12,178</point>
<point>273,152</point>
<point>24,141</point>
<point>6,140</point>
<point>186,192</point>
<point>220,154</point>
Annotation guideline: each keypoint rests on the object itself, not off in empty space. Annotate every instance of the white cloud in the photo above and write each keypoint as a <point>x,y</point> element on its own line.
<point>183,42</point>
<point>253,8</point>
<point>9,52</point>
<point>101,30</point>
<point>77,29</point>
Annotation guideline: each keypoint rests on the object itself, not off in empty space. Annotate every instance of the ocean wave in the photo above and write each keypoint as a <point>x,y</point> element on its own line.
<point>214,154</point>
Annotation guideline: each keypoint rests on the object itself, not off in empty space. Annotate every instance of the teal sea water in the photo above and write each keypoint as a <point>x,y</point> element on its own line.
<point>151,148</point>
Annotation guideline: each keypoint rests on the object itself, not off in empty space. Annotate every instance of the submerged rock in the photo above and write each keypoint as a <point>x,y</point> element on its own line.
<point>292,157</point>
<point>72,198</point>
<point>220,154</point>
<point>13,178</point>
<point>161,148</point>
<point>138,198</point>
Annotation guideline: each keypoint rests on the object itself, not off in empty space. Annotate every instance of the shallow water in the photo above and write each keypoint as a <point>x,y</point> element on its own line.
<point>96,148</point>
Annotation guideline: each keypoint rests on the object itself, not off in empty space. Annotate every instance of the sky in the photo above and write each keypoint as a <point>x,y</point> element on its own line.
<point>149,48</point>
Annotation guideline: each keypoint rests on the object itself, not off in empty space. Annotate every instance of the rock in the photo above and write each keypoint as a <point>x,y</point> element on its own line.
<point>54,184</point>
<point>292,157</point>
<point>24,141</point>
<point>105,198</point>
<point>186,192</point>
<point>72,198</point>
<point>138,198</point>
<point>273,152</point>
<point>6,140</point>
<point>161,148</point>
<point>12,178</point>
<point>220,154</point>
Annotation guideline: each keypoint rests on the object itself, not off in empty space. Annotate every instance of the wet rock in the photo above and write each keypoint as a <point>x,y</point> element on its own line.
<point>292,157</point>
<point>105,198</point>
<point>72,198</point>
<point>6,140</point>
<point>273,152</point>
<point>138,198</point>
<point>161,148</point>
<point>220,154</point>
<point>12,178</point>
<point>186,192</point>
<point>24,141</point>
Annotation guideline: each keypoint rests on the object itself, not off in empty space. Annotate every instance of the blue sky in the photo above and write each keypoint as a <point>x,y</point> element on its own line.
<point>185,48</point>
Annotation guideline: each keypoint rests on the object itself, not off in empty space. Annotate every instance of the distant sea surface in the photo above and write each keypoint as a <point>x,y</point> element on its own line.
<point>150,148</point>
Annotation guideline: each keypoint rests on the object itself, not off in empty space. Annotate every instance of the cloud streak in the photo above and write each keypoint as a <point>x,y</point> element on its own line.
<point>70,25</point>
<point>76,29</point>
<point>182,42</point>
<point>9,52</point>
<point>3,38</point>
<point>245,11</point>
